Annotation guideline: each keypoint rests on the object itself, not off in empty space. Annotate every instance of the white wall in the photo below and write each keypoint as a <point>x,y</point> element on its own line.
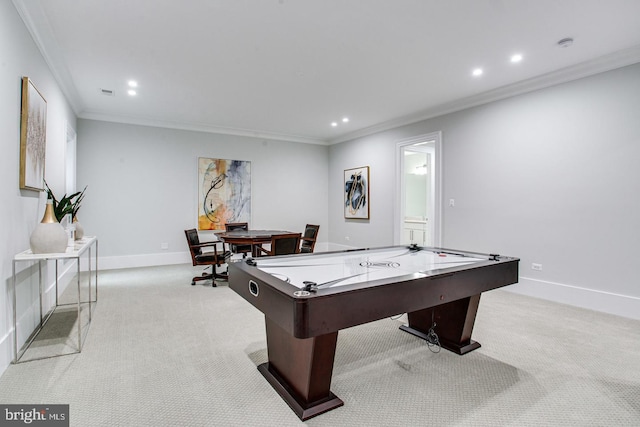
<point>377,152</point>
<point>550,177</point>
<point>23,209</point>
<point>142,187</point>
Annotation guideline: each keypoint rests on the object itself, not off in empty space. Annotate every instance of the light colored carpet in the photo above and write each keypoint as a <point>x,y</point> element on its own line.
<point>161,352</point>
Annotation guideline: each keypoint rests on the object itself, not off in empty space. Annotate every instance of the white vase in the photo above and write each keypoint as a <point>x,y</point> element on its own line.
<point>79,229</point>
<point>48,236</point>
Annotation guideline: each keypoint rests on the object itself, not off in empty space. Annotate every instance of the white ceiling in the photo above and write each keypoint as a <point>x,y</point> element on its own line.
<point>286,69</point>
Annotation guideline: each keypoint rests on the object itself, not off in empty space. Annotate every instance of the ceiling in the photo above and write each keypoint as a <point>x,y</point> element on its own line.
<point>287,69</point>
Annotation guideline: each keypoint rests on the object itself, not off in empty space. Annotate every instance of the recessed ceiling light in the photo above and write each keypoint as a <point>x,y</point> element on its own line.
<point>477,72</point>
<point>345,120</point>
<point>516,58</point>
<point>131,92</point>
<point>334,124</point>
<point>133,83</point>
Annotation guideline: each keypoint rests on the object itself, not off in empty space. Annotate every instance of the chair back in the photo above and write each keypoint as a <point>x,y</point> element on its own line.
<point>285,244</point>
<point>194,241</point>
<point>309,238</point>
<point>236,226</point>
<point>232,226</point>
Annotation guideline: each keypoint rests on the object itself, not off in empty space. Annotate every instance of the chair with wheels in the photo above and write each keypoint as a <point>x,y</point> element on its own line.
<point>211,258</point>
<point>309,238</point>
<point>282,244</point>
<point>238,249</point>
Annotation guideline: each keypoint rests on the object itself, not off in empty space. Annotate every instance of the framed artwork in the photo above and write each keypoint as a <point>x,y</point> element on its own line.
<point>224,192</point>
<point>33,137</point>
<point>356,193</point>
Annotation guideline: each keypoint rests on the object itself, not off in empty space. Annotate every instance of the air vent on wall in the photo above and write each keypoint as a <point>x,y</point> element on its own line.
<point>107,92</point>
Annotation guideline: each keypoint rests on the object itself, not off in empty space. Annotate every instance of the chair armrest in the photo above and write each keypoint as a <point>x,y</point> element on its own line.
<point>213,245</point>
<point>205,244</point>
<point>262,250</point>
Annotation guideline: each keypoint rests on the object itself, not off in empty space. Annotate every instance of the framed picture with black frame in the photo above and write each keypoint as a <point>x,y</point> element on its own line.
<point>356,193</point>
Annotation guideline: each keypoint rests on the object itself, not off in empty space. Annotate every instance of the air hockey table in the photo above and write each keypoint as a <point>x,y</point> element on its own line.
<point>307,298</point>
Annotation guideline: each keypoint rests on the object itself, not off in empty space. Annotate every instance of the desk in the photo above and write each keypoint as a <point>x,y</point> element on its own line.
<point>255,238</point>
<point>356,287</point>
<point>79,248</point>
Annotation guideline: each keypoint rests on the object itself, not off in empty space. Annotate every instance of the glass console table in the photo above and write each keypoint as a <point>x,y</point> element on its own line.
<point>81,247</point>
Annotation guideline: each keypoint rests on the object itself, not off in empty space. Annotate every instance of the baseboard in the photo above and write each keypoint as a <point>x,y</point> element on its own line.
<point>606,302</point>
<point>6,351</point>
<point>147,260</point>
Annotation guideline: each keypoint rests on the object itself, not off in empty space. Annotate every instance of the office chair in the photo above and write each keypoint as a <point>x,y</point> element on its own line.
<point>238,249</point>
<point>282,244</point>
<point>309,238</point>
<point>211,259</point>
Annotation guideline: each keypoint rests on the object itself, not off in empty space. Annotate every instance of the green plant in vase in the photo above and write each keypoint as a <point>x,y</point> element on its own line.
<point>67,205</point>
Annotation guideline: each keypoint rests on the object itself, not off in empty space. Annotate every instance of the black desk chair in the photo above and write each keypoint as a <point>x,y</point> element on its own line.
<point>210,259</point>
<point>309,238</point>
<point>238,249</point>
<point>282,244</point>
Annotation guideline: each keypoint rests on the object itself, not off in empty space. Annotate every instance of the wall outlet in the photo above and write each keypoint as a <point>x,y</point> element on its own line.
<point>452,202</point>
<point>164,246</point>
<point>346,238</point>
<point>535,266</point>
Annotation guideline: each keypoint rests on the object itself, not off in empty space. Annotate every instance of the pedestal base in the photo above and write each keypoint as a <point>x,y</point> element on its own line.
<point>304,410</point>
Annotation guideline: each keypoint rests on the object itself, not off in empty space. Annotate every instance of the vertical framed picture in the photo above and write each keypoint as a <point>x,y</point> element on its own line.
<point>33,137</point>
<point>356,193</point>
<point>224,192</point>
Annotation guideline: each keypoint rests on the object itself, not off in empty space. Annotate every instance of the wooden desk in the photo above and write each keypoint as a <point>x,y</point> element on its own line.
<point>255,238</point>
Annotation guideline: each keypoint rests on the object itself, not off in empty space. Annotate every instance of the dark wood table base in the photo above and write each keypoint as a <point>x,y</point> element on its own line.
<point>304,410</point>
<point>300,370</point>
<point>454,324</point>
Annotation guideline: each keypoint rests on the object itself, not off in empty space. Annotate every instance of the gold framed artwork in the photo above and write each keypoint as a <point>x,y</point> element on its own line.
<point>224,192</point>
<point>356,193</point>
<point>33,137</point>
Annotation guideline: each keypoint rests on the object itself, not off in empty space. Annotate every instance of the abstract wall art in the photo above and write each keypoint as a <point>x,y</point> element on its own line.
<point>224,192</point>
<point>33,137</point>
<point>356,193</point>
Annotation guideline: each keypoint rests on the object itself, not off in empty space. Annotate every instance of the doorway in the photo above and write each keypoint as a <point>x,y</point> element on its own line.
<point>70,161</point>
<point>418,206</point>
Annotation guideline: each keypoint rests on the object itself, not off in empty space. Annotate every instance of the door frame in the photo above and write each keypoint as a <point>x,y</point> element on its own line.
<point>435,223</point>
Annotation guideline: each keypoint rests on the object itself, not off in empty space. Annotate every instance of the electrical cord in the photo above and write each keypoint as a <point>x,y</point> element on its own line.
<point>432,340</point>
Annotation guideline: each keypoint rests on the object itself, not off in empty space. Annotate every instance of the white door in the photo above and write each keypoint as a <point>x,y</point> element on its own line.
<point>417,209</point>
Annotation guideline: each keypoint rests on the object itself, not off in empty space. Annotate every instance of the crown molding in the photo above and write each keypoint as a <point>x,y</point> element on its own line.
<point>200,127</point>
<point>45,41</point>
<point>599,65</point>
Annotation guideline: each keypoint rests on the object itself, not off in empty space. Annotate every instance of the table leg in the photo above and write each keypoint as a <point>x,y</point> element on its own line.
<point>89,279</point>
<point>300,370</point>
<point>57,303</point>
<point>79,307</point>
<point>15,315</point>
<point>454,324</point>
<point>96,270</point>
<point>255,249</point>
<point>40,288</point>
